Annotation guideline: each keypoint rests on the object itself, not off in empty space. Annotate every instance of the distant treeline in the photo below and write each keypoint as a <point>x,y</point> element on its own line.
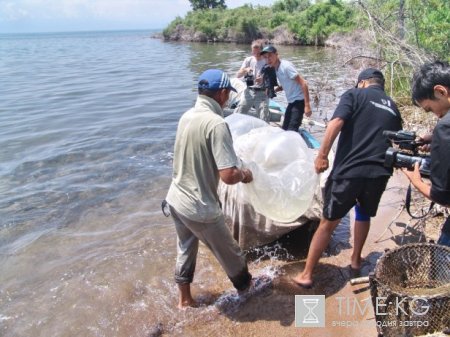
<point>301,22</point>
<point>423,24</point>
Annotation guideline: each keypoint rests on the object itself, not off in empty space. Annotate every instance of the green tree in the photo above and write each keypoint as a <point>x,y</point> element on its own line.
<point>316,23</point>
<point>245,23</point>
<point>290,5</point>
<point>407,34</point>
<point>423,24</point>
<point>207,4</point>
<point>429,23</point>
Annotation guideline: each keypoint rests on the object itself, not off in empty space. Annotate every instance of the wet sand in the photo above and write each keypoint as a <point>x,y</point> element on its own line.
<point>271,311</point>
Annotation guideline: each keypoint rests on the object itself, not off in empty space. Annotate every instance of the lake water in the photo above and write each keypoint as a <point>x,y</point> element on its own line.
<point>87,127</point>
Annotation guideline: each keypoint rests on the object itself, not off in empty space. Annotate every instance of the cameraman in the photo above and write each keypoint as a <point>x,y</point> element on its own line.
<point>431,91</point>
<point>255,93</point>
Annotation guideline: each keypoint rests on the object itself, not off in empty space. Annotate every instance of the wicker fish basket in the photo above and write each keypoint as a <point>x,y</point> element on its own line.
<point>410,290</point>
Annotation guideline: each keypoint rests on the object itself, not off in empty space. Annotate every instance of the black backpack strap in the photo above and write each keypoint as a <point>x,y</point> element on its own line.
<point>408,205</point>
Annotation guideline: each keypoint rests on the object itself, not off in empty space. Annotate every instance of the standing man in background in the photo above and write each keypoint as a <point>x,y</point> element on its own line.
<point>204,154</point>
<point>359,176</point>
<point>431,91</point>
<point>255,93</point>
<point>294,86</point>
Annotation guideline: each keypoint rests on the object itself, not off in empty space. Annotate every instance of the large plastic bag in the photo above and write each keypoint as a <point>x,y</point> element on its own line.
<point>241,124</point>
<point>284,180</point>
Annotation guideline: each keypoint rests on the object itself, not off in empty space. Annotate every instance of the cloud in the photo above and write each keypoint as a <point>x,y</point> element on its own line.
<point>111,9</point>
<point>39,15</point>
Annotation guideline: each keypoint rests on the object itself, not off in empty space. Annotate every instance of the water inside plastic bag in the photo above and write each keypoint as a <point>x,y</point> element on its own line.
<point>284,179</point>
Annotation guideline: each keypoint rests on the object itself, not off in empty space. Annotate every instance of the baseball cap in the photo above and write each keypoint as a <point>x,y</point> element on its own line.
<point>369,73</point>
<point>268,49</point>
<point>214,79</point>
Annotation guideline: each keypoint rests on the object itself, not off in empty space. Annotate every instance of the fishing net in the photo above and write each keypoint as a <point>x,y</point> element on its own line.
<point>410,290</point>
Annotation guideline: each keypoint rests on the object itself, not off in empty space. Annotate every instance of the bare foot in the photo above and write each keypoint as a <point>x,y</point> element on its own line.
<point>187,303</point>
<point>185,300</point>
<point>302,281</point>
<point>356,262</point>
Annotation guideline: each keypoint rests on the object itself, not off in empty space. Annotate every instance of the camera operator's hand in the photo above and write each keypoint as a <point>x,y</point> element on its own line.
<point>416,179</point>
<point>321,164</point>
<point>426,141</point>
<point>413,175</point>
<point>259,80</point>
<point>426,138</point>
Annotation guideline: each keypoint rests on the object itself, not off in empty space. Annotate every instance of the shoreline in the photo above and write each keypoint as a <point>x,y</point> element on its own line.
<point>273,314</point>
<point>282,37</point>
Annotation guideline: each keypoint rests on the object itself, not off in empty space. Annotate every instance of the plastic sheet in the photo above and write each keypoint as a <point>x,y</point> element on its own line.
<point>241,124</point>
<point>283,168</point>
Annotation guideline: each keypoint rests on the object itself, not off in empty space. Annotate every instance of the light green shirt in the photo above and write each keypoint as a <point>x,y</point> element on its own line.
<point>203,146</point>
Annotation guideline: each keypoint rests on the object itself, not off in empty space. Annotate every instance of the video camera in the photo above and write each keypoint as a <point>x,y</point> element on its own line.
<point>269,80</point>
<point>249,78</point>
<point>407,153</point>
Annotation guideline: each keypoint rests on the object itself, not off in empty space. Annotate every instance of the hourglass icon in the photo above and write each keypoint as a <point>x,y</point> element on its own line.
<point>310,304</point>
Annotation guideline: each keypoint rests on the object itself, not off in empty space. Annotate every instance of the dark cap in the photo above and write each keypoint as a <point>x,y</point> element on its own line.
<point>268,49</point>
<point>214,79</point>
<point>369,73</point>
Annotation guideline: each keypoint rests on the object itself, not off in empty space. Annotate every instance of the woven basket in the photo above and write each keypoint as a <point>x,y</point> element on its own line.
<point>410,290</point>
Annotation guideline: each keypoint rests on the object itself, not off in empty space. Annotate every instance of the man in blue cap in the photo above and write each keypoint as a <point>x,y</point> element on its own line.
<point>204,154</point>
<point>358,177</point>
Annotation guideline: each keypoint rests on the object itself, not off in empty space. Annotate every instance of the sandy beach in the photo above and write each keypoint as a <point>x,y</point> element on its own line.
<point>271,312</point>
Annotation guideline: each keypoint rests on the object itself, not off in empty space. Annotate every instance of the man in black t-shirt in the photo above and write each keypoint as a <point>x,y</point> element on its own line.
<point>431,91</point>
<point>358,177</point>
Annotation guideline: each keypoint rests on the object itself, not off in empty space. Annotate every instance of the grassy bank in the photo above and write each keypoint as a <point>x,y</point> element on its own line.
<point>397,35</point>
<point>286,22</point>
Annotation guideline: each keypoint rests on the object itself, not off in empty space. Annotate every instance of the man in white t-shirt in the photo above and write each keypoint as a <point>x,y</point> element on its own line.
<point>255,93</point>
<point>294,86</point>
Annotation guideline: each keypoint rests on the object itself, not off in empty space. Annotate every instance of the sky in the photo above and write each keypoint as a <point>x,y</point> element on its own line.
<point>27,16</point>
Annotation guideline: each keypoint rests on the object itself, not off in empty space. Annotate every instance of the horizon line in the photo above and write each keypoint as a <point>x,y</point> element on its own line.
<point>82,31</point>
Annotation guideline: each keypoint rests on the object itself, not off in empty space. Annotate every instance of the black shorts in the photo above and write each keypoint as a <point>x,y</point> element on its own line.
<point>341,195</point>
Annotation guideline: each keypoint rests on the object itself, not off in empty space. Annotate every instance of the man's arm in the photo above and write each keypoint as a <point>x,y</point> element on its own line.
<point>439,189</point>
<point>333,128</point>
<point>241,72</point>
<point>233,175</point>
<point>304,85</point>
<point>416,179</point>
<point>245,68</point>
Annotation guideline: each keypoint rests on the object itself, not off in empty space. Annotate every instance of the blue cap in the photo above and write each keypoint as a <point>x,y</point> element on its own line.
<point>214,79</point>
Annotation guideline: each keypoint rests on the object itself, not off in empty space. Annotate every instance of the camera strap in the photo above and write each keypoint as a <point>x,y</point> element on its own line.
<point>408,205</point>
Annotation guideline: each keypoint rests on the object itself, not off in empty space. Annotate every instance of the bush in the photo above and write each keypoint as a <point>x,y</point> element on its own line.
<point>310,24</point>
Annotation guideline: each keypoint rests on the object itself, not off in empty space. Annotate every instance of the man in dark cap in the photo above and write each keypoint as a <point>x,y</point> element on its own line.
<point>358,177</point>
<point>204,154</point>
<point>295,88</point>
